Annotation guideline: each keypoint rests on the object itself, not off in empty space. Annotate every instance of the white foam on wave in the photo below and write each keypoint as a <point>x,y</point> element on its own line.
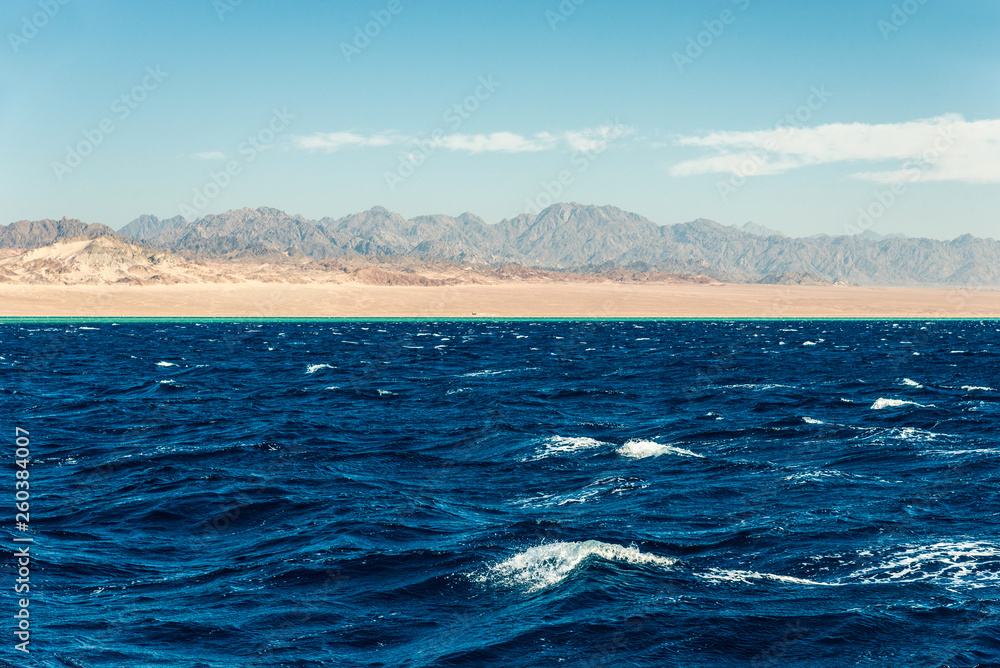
<point>547,565</point>
<point>911,383</point>
<point>977,388</point>
<point>893,403</point>
<point>645,449</point>
<point>809,420</point>
<point>973,564</point>
<point>755,386</point>
<point>976,451</point>
<point>725,575</point>
<point>477,374</point>
<point>604,486</point>
<point>810,343</point>
<point>561,445</point>
<point>165,364</point>
<point>313,368</point>
<point>819,475</point>
<point>914,434</point>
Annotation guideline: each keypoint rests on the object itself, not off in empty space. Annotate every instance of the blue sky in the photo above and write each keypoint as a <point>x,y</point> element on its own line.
<point>672,110</point>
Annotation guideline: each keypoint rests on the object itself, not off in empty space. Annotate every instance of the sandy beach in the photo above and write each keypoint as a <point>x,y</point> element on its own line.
<point>601,300</point>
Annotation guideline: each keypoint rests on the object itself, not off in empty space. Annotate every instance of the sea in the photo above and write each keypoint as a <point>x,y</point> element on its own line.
<point>501,493</point>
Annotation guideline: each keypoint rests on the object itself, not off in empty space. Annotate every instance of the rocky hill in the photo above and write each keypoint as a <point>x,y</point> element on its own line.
<point>101,260</point>
<point>35,233</point>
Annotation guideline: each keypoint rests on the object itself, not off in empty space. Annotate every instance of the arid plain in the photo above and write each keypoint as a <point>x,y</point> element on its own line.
<point>526,299</point>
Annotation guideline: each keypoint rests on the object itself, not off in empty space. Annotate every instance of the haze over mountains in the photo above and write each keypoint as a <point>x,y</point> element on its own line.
<point>572,237</point>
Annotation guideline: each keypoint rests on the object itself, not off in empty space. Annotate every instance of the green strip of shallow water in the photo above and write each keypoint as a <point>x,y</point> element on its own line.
<point>57,320</point>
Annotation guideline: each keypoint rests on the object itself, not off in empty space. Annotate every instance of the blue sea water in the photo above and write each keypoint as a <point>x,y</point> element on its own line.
<point>511,493</point>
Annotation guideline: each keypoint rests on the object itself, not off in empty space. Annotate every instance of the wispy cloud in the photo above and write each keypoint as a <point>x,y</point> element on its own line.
<point>210,155</point>
<point>495,142</point>
<point>336,141</point>
<point>944,148</point>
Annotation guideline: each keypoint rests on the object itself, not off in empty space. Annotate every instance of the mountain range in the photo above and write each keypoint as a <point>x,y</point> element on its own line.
<point>564,237</point>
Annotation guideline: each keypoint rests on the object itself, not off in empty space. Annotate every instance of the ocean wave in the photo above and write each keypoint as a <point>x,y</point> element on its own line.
<point>974,564</point>
<point>914,434</point>
<point>820,475</point>
<point>725,575</point>
<point>313,368</point>
<point>912,383</point>
<point>645,449</point>
<point>479,374</point>
<point>547,565</point>
<point>757,386</point>
<point>561,445</point>
<point>165,364</point>
<point>594,490</point>
<point>882,402</point>
<point>809,420</point>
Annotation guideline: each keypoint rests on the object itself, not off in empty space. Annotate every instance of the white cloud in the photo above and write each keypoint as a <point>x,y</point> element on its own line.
<point>944,148</point>
<point>494,142</point>
<point>335,141</point>
<point>210,155</point>
<point>596,138</point>
<point>497,142</point>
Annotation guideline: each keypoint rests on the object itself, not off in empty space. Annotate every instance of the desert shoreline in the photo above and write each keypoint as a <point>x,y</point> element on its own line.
<point>522,300</point>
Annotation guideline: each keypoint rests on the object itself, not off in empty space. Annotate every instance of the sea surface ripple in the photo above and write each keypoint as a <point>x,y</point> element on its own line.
<point>509,493</point>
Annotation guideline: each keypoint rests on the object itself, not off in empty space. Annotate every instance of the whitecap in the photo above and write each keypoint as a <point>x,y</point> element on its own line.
<point>893,403</point>
<point>974,388</point>
<point>914,434</point>
<point>911,383</point>
<point>755,386</point>
<point>477,374</point>
<point>644,449</point>
<point>313,368</point>
<point>810,343</point>
<point>615,485</point>
<point>724,575</point>
<point>977,451</point>
<point>165,364</point>
<point>975,564</point>
<point>809,420</point>
<point>820,475</point>
<point>560,445</point>
<point>547,565</point>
